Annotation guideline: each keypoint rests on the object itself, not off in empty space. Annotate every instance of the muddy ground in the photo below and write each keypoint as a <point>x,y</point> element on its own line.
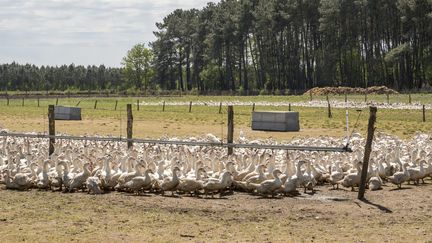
<point>389,215</point>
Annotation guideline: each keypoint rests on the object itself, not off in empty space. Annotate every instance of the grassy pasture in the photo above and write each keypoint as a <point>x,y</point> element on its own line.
<point>151,122</point>
<point>43,216</point>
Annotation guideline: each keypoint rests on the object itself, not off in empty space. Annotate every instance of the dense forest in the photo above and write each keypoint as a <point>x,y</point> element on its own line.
<point>296,44</point>
<point>66,77</point>
<point>263,45</point>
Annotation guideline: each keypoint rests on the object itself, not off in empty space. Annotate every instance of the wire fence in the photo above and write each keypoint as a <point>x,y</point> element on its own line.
<point>343,149</point>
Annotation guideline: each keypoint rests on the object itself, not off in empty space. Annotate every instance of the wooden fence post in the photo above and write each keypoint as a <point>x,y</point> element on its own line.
<point>367,152</point>
<point>163,106</point>
<point>190,107</point>
<point>129,125</point>
<point>220,107</point>
<point>137,105</point>
<point>230,136</point>
<point>115,108</point>
<point>253,107</point>
<point>95,105</point>
<point>424,113</point>
<point>329,108</point>
<point>51,128</point>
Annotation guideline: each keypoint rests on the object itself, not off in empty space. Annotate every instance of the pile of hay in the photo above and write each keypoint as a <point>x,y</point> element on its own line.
<point>348,90</point>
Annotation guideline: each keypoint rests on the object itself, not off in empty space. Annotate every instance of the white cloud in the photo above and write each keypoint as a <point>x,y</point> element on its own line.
<point>55,32</point>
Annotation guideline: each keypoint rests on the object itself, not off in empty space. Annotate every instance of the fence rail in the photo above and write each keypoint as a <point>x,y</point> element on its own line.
<point>187,143</point>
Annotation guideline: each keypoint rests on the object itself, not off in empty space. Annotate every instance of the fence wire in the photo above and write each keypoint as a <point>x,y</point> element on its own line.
<point>178,142</point>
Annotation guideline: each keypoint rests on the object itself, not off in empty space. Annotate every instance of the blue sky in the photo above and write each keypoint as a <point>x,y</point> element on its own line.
<point>84,32</point>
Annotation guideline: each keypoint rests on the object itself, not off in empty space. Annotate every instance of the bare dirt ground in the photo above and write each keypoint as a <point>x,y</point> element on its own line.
<point>388,215</point>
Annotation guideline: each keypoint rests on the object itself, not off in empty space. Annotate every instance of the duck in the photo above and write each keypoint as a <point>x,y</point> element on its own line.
<point>375,182</point>
<point>79,180</point>
<point>189,185</point>
<point>417,174</point>
<point>43,180</point>
<point>127,176</point>
<point>269,186</point>
<point>93,184</point>
<point>140,183</point>
<point>400,177</point>
<point>292,182</point>
<point>170,183</point>
<point>352,179</point>
<point>23,183</point>
<point>335,176</point>
<point>257,178</point>
<point>212,186</point>
<point>66,175</point>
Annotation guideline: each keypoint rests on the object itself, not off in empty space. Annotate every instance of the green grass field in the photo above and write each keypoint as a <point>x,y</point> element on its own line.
<point>151,122</point>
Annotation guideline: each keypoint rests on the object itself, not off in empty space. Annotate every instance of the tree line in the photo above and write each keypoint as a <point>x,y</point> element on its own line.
<point>295,44</point>
<point>28,77</point>
<point>263,45</point>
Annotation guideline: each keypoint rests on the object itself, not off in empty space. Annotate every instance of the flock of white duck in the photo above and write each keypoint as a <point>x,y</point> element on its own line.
<point>100,167</point>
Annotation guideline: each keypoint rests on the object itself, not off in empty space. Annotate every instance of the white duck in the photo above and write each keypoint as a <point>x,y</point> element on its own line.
<point>170,184</point>
<point>43,180</point>
<point>219,185</point>
<point>79,180</point>
<point>269,186</point>
<point>139,183</point>
<point>400,177</point>
<point>352,179</point>
<point>375,182</point>
<point>189,185</point>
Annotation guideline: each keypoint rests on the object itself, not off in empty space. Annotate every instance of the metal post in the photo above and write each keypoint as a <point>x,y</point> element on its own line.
<point>137,105</point>
<point>368,150</point>
<point>253,107</point>
<point>38,102</point>
<point>409,98</point>
<point>129,125</point>
<point>230,135</point>
<point>346,97</point>
<point>220,107</point>
<point>163,106</point>
<point>289,107</point>
<point>329,108</point>
<point>57,101</point>
<point>388,98</point>
<point>22,101</point>
<point>115,108</point>
<point>424,113</point>
<point>51,128</point>
<point>190,107</point>
<point>95,105</point>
